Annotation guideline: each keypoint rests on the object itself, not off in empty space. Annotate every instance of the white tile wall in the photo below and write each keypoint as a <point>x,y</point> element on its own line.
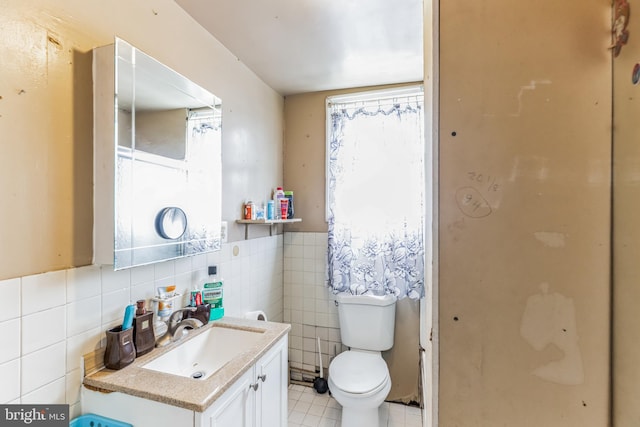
<point>10,333</point>
<point>44,328</point>
<point>43,291</point>
<point>308,304</point>
<point>10,374</point>
<point>50,320</point>
<point>10,291</point>
<point>42,367</point>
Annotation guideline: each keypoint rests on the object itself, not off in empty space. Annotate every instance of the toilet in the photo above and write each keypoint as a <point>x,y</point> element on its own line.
<point>359,378</point>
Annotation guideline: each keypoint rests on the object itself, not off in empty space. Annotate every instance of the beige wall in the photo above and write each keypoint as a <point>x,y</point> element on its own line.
<point>46,119</point>
<point>626,235</point>
<point>525,107</point>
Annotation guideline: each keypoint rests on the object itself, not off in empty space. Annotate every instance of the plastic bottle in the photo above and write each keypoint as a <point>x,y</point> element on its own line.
<point>277,195</point>
<point>271,210</point>
<point>248,210</point>
<point>212,293</point>
<point>289,195</point>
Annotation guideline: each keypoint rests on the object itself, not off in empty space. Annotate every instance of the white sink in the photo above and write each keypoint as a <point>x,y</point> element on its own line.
<point>203,355</point>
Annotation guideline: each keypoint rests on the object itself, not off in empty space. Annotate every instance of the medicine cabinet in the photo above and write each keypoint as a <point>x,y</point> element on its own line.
<point>157,161</point>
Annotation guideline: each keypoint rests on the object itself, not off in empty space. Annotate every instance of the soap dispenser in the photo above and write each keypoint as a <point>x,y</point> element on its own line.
<point>143,334</point>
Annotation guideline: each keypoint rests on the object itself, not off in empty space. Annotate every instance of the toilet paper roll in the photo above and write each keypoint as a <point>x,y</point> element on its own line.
<point>256,315</point>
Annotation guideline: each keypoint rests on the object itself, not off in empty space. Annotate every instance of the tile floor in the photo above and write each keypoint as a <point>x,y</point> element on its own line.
<point>310,409</point>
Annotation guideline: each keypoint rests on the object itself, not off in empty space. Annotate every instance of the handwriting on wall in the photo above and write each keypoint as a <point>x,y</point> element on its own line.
<point>472,199</point>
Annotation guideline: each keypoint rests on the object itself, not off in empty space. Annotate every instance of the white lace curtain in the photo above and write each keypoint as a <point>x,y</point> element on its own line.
<point>376,196</point>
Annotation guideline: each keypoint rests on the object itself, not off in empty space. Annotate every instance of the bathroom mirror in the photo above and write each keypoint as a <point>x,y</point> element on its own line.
<point>166,148</point>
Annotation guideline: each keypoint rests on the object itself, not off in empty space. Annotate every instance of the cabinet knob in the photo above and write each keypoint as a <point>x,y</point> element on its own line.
<point>254,386</point>
<point>262,377</point>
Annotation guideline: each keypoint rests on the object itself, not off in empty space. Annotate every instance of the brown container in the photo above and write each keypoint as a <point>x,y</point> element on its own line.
<point>120,350</point>
<point>143,334</point>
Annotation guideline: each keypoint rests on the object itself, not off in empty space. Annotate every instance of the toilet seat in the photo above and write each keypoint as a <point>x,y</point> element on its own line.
<point>359,372</point>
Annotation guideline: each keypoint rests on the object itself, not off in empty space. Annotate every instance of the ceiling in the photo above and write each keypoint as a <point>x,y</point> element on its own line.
<point>299,46</point>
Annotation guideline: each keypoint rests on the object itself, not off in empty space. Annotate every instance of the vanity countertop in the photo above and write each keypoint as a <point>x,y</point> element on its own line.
<point>188,393</point>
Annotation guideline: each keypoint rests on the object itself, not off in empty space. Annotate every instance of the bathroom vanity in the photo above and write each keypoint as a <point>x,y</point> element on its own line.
<point>249,389</point>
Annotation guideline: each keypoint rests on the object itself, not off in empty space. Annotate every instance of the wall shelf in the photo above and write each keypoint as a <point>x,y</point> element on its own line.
<point>269,222</point>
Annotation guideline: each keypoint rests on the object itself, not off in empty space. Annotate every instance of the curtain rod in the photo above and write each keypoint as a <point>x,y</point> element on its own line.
<point>376,95</point>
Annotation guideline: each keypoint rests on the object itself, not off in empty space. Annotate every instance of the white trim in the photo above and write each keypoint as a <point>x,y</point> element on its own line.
<point>429,324</point>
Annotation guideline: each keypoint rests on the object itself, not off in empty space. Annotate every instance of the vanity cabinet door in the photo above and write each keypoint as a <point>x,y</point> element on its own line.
<point>271,375</point>
<point>236,407</point>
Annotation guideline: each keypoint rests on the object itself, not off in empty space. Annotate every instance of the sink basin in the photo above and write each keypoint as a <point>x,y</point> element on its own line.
<point>203,355</point>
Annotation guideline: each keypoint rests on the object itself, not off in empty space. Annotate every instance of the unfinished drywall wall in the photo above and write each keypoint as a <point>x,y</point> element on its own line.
<point>626,231</point>
<point>46,119</point>
<point>525,167</point>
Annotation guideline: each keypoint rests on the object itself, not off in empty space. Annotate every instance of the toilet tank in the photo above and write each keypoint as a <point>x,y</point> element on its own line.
<point>367,322</point>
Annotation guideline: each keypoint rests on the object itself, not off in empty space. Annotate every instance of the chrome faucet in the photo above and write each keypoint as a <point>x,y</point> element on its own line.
<point>178,325</point>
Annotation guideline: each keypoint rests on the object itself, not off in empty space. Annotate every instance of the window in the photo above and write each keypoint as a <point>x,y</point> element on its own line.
<point>375,192</point>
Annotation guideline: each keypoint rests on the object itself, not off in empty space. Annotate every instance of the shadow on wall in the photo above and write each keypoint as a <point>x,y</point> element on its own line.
<point>82,177</point>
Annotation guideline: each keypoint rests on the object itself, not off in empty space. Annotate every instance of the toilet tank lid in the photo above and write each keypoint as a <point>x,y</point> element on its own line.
<point>380,300</point>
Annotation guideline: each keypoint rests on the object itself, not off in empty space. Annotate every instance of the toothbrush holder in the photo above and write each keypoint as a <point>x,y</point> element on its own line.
<point>120,350</point>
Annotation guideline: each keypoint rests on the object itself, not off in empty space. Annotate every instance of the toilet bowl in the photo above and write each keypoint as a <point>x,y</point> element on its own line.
<point>359,381</point>
<point>359,377</point>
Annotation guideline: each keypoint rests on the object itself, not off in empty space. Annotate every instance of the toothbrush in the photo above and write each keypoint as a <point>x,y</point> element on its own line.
<point>127,322</point>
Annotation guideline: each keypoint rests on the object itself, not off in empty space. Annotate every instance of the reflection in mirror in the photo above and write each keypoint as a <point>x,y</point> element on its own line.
<point>168,147</point>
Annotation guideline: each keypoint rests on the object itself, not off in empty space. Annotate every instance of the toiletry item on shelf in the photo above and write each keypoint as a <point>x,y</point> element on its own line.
<point>258,211</point>
<point>212,294</point>
<point>248,210</point>
<point>278,194</point>
<point>129,313</point>
<point>284,208</point>
<point>143,333</point>
<point>271,209</point>
<point>289,195</point>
